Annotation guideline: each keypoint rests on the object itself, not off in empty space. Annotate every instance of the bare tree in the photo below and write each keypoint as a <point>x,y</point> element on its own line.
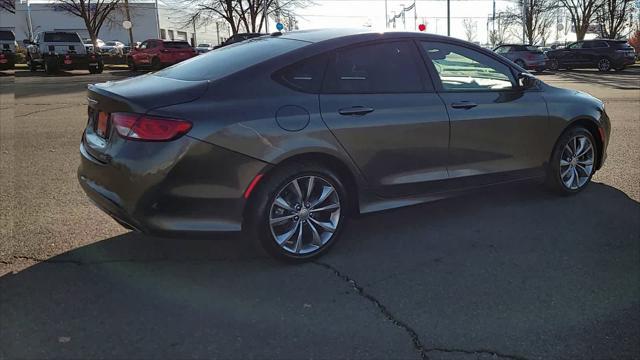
<point>535,17</point>
<point>582,13</point>
<point>612,17</point>
<point>498,35</point>
<point>8,5</point>
<point>94,13</point>
<point>241,15</point>
<point>470,27</point>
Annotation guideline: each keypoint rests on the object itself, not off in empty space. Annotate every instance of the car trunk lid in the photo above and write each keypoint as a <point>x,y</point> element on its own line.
<point>136,95</point>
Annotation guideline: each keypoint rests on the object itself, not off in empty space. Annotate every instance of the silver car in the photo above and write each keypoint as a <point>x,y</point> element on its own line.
<point>528,57</point>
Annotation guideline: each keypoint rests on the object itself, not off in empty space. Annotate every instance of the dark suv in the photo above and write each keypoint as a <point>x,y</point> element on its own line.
<point>601,54</point>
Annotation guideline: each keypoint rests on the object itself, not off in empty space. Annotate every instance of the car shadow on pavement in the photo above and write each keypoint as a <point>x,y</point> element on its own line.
<point>628,79</point>
<point>515,270</point>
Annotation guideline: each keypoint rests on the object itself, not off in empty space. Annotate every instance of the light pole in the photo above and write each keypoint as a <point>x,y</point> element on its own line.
<point>386,15</point>
<point>266,25</point>
<point>448,17</point>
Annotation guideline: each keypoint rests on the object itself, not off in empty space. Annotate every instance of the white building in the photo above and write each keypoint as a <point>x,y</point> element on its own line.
<point>149,22</point>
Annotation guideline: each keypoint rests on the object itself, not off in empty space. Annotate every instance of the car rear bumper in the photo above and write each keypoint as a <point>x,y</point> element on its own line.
<point>185,187</point>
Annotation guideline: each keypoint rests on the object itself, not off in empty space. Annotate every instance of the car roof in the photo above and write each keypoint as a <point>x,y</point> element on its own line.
<point>360,34</point>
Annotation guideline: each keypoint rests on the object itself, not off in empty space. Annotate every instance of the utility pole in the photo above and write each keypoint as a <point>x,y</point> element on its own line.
<point>30,25</point>
<point>158,19</point>
<point>448,17</point>
<point>130,29</point>
<point>386,15</point>
<point>415,15</point>
<point>218,32</point>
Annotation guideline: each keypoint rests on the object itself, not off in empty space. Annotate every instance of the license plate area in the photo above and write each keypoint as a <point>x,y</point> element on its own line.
<point>68,62</point>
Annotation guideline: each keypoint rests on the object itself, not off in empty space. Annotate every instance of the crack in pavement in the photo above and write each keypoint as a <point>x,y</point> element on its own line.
<point>43,110</point>
<point>415,339</point>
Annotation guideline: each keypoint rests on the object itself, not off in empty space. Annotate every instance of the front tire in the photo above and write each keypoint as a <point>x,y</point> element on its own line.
<point>50,66</point>
<point>554,65</point>
<point>573,161</point>
<point>298,211</point>
<point>604,65</point>
<point>156,64</point>
<point>132,64</point>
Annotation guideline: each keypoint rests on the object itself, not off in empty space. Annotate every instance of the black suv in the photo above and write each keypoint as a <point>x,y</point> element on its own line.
<point>601,54</point>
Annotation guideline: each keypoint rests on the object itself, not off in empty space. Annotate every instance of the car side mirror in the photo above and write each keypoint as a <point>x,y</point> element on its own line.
<point>527,81</point>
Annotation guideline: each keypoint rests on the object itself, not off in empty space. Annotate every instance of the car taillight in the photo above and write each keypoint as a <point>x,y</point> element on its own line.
<point>147,128</point>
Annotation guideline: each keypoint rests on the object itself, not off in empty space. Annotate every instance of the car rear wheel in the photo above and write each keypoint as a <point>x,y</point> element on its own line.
<point>50,66</point>
<point>96,69</point>
<point>298,211</point>
<point>33,67</point>
<point>604,65</point>
<point>573,161</point>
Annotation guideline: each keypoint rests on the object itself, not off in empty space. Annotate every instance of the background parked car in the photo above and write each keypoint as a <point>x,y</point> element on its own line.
<point>54,50</point>
<point>7,49</point>
<point>112,48</point>
<point>238,38</point>
<point>156,54</point>
<point>602,54</point>
<point>528,57</point>
<point>88,44</point>
<point>204,48</point>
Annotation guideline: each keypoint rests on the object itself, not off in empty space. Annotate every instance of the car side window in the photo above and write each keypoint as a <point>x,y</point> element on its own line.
<point>143,45</point>
<point>463,69</point>
<point>599,44</point>
<point>386,67</point>
<point>577,45</point>
<point>305,76</point>
<point>503,49</point>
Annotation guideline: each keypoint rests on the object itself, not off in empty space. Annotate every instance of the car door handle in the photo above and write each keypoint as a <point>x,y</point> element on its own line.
<point>356,111</point>
<point>463,105</point>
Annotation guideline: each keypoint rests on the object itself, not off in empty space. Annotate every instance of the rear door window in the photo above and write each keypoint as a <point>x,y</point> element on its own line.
<point>176,44</point>
<point>305,76</point>
<point>387,67</point>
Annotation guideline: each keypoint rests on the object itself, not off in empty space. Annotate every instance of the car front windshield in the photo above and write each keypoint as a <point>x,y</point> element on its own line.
<point>7,35</point>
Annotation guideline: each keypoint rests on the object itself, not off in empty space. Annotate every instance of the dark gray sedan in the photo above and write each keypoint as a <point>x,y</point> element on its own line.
<point>285,136</point>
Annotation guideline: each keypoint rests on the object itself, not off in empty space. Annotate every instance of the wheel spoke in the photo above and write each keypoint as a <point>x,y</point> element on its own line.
<point>283,204</point>
<point>317,241</point>
<point>280,220</point>
<point>325,208</point>
<point>564,163</point>
<point>580,144</point>
<point>565,172</point>
<point>326,226</point>
<point>576,177</point>
<point>569,181</point>
<point>299,240</point>
<point>584,151</point>
<point>296,188</point>
<point>288,235</point>
<point>587,162</point>
<point>326,192</point>
<point>310,184</point>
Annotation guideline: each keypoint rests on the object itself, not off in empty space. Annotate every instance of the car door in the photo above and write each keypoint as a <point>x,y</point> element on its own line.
<point>379,103</point>
<point>496,127</point>
<point>573,55</point>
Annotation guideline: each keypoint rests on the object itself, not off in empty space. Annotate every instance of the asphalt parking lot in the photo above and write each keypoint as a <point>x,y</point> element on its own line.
<point>508,273</point>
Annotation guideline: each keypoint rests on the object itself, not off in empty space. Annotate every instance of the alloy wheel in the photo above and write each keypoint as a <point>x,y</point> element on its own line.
<point>604,65</point>
<point>554,65</point>
<point>304,215</point>
<point>576,162</point>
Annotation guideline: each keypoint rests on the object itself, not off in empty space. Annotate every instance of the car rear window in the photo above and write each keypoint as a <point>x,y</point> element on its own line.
<point>620,45</point>
<point>533,48</point>
<point>7,35</point>
<point>231,59</point>
<point>61,37</point>
<point>176,44</point>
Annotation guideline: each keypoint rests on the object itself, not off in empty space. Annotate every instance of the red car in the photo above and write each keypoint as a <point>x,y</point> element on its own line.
<point>159,53</point>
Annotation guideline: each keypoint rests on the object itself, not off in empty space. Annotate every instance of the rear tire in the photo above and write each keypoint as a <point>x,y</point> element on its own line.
<point>573,161</point>
<point>97,69</point>
<point>50,66</point>
<point>297,226</point>
<point>33,67</point>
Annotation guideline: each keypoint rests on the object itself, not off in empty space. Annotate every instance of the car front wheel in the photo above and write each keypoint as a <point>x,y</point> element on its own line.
<point>573,161</point>
<point>604,65</point>
<point>298,211</point>
<point>554,65</point>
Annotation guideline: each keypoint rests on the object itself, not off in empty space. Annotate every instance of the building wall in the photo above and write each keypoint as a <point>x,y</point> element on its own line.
<point>49,17</point>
